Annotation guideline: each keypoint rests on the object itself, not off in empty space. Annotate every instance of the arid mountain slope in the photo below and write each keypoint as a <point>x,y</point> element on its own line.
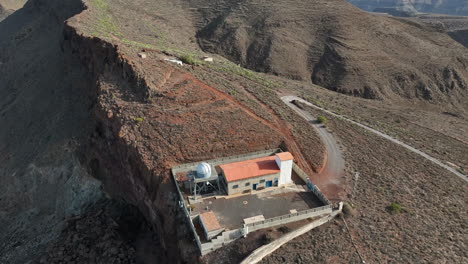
<point>337,46</point>
<point>451,7</point>
<point>73,104</point>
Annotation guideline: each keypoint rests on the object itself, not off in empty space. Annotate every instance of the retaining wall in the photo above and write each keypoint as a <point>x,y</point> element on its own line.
<point>223,239</point>
<point>312,187</point>
<point>187,214</point>
<point>285,219</point>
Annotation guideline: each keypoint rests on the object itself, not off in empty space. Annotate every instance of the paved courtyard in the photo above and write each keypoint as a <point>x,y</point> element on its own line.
<point>231,212</point>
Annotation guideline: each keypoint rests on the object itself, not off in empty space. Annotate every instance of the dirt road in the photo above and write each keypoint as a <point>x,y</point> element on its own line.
<point>288,99</point>
<point>329,179</point>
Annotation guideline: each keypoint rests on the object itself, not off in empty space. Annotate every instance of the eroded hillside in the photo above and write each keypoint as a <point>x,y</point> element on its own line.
<point>337,46</point>
<point>98,109</point>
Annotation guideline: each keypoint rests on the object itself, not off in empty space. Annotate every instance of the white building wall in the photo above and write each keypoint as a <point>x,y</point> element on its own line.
<point>241,185</point>
<point>286,171</point>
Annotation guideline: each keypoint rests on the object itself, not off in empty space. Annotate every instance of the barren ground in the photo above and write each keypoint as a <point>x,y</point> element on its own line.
<point>432,199</point>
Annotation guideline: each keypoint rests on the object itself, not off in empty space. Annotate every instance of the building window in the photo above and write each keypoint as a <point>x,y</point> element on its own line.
<point>247,184</point>
<point>235,186</point>
<point>262,181</point>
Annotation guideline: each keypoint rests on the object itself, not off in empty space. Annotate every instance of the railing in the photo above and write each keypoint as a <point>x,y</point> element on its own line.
<point>289,218</point>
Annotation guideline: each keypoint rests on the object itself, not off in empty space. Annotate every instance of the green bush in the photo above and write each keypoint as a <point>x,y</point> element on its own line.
<point>395,208</point>
<point>349,210</point>
<point>139,119</point>
<point>187,59</point>
<point>322,119</point>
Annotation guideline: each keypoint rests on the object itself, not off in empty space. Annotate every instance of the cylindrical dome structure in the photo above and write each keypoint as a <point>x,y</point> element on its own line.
<point>203,170</point>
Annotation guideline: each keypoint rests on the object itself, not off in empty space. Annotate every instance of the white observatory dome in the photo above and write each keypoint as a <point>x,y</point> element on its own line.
<point>203,170</point>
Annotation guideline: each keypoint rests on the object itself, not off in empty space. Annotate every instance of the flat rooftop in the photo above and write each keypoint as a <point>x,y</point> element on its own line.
<point>210,221</point>
<point>231,213</point>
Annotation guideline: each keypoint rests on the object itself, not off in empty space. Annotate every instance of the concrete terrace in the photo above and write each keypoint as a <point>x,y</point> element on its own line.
<point>231,212</point>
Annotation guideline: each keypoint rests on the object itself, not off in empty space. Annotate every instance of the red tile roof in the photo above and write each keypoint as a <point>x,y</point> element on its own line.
<point>250,168</point>
<point>285,156</point>
<point>210,221</point>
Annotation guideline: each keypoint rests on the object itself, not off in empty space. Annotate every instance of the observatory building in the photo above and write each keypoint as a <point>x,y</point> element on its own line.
<point>256,174</point>
<point>240,177</point>
<point>229,197</point>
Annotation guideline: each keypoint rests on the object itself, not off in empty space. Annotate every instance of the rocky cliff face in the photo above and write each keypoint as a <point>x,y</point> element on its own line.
<point>43,118</point>
<point>451,7</point>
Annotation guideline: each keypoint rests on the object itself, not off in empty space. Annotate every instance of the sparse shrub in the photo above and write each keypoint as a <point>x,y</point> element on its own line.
<point>187,59</point>
<point>241,248</point>
<point>284,229</point>
<point>322,119</point>
<point>139,119</point>
<point>395,208</point>
<point>348,209</point>
<point>268,238</point>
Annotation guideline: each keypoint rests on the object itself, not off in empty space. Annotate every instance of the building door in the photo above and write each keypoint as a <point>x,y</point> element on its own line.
<point>255,186</point>
<point>268,184</point>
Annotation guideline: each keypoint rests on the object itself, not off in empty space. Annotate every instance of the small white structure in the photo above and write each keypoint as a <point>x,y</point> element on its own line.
<point>207,59</point>
<point>142,55</point>
<point>203,170</point>
<point>284,160</point>
<point>176,61</point>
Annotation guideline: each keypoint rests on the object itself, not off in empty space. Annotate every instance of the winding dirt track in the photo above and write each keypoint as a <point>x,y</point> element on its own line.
<point>330,178</point>
<point>288,99</point>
